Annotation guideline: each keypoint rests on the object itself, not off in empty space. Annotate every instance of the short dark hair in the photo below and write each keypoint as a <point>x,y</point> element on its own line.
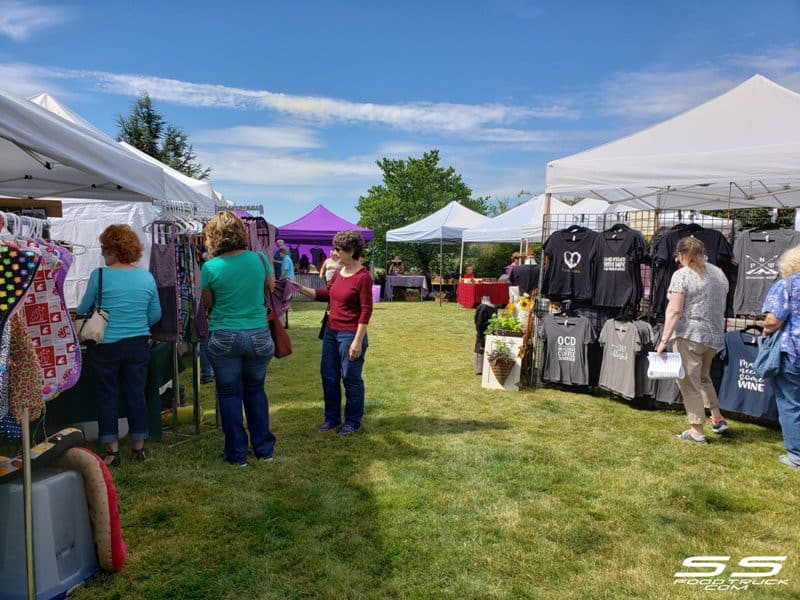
<point>350,241</point>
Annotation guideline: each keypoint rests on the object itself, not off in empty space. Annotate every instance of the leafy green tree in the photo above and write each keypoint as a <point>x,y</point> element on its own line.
<point>146,129</point>
<point>412,189</point>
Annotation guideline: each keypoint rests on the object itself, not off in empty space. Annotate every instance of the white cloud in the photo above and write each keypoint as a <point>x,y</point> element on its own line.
<point>255,167</point>
<point>29,80</point>
<point>452,118</point>
<point>260,137</point>
<point>19,20</point>
<point>658,94</point>
<point>652,93</point>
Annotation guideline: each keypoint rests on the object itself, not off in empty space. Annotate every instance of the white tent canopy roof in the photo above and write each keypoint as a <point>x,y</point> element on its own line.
<point>446,224</point>
<point>177,186</point>
<point>44,156</point>
<point>739,150</point>
<point>512,225</point>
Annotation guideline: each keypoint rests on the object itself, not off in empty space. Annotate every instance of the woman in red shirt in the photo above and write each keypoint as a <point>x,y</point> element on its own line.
<point>344,342</point>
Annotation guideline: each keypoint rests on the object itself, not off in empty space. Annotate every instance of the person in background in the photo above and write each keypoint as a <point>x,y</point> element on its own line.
<point>287,266</point>
<point>330,266</point>
<point>120,361</point>
<point>344,341</point>
<point>515,260</point>
<point>468,273</point>
<point>277,258</point>
<point>695,324</point>
<point>526,276</point>
<point>240,347</point>
<point>304,264</point>
<point>396,268</point>
<point>782,309</point>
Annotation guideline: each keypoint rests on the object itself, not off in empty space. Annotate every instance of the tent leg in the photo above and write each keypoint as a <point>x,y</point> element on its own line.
<point>27,494</point>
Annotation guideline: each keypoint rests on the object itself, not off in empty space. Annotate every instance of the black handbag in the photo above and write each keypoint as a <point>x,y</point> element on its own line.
<point>323,325</point>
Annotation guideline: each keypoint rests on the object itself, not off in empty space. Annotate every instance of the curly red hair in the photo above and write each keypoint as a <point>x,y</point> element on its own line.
<point>122,242</point>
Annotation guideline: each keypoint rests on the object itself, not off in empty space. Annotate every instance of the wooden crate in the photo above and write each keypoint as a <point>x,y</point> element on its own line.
<point>412,295</point>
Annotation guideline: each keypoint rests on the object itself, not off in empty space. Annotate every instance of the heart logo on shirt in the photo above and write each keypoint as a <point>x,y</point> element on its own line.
<point>572,259</point>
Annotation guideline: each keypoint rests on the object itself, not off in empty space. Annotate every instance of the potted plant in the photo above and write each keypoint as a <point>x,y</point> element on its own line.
<point>501,360</point>
<point>503,323</point>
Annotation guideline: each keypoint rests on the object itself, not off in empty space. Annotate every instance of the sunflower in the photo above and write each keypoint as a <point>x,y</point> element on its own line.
<point>511,309</point>
<point>525,303</point>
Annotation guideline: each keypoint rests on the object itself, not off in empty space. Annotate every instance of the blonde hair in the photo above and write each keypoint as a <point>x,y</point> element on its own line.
<point>789,262</point>
<point>694,252</point>
<point>225,232</point>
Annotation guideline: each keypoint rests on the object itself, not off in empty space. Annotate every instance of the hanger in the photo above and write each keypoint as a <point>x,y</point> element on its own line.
<point>759,329</point>
<point>615,229</point>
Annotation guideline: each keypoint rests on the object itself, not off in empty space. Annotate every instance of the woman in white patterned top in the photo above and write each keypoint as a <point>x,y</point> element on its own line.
<point>695,324</point>
<point>330,266</point>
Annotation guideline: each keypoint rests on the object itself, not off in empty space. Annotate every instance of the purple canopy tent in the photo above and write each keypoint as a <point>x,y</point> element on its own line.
<point>316,229</point>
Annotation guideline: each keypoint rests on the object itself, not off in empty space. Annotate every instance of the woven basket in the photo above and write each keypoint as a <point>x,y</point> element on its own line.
<point>502,369</point>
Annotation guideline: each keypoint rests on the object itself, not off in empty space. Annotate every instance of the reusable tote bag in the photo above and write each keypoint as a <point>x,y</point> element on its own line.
<point>91,327</point>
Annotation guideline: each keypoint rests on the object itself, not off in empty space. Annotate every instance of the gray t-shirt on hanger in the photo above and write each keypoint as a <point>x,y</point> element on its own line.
<point>566,357</point>
<point>757,254</point>
<point>621,343</point>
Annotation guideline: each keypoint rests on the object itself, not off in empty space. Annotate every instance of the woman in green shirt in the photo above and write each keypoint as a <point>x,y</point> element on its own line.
<point>240,347</point>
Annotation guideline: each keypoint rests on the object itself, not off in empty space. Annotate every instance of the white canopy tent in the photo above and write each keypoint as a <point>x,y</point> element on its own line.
<point>177,186</point>
<point>44,156</point>
<point>739,150</point>
<point>49,152</point>
<point>445,225</point>
<point>523,221</point>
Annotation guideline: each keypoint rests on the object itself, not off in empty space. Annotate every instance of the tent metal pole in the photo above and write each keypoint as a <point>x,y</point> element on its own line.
<point>27,494</point>
<point>461,259</point>
<point>441,264</point>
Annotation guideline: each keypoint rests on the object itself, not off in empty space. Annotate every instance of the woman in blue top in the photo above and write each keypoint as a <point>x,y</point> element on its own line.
<point>240,347</point>
<point>120,361</point>
<point>782,307</point>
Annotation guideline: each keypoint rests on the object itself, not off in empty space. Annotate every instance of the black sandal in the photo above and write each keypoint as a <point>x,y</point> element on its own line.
<point>112,458</point>
<point>139,455</point>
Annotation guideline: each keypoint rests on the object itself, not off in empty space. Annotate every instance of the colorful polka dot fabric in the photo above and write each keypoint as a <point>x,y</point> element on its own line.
<point>18,267</point>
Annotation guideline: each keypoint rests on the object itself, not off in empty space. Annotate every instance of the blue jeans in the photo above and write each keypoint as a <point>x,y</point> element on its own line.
<point>336,368</point>
<point>240,360</point>
<point>787,395</point>
<point>206,372</point>
<point>120,370</point>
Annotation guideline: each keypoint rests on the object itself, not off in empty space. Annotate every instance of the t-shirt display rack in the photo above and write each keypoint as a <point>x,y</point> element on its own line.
<point>176,257</point>
<point>636,294</point>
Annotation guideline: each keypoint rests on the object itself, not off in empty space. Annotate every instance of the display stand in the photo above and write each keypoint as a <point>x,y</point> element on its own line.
<point>50,208</point>
<point>488,380</point>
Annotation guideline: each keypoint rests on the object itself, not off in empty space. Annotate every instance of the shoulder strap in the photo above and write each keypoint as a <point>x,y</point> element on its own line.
<point>100,289</point>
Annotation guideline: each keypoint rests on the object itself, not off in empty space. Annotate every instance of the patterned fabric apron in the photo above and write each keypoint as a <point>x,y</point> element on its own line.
<point>49,325</point>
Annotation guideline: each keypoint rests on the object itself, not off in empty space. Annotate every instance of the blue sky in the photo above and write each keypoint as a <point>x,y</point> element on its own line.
<point>291,103</point>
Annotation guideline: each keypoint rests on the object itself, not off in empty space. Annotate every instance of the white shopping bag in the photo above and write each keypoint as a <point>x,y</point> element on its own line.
<point>669,367</point>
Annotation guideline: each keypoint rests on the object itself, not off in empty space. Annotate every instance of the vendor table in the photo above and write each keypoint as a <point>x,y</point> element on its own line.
<point>469,294</point>
<point>78,403</point>
<point>406,281</point>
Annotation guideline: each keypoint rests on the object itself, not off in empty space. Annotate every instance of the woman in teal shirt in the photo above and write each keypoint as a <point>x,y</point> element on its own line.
<point>240,347</point>
<point>120,361</point>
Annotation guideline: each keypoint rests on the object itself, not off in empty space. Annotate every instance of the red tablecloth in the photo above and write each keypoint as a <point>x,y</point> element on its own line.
<point>470,294</point>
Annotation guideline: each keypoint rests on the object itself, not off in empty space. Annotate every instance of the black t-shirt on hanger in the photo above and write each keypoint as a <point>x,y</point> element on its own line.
<point>568,273</point>
<point>718,251</point>
<point>616,276</point>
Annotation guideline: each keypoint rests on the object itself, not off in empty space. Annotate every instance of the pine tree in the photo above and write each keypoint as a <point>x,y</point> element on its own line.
<point>146,129</point>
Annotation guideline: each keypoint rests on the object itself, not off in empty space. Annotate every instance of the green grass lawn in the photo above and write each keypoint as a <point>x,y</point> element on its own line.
<point>449,490</point>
